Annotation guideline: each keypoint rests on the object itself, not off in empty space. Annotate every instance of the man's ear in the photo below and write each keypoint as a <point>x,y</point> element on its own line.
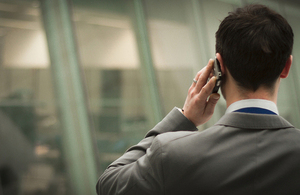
<point>223,68</point>
<point>287,67</point>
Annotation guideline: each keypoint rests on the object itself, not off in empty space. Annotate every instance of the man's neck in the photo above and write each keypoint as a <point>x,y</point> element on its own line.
<point>234,93</point>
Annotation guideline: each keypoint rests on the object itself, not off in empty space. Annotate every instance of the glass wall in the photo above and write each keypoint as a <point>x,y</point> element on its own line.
<point>83,80</point>
<point>31,160</point>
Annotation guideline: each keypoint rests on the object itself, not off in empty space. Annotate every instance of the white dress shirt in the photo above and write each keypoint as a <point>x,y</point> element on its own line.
<point>260,103</point>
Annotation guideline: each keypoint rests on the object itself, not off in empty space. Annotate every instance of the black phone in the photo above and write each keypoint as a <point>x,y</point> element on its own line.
<point>218,75</point>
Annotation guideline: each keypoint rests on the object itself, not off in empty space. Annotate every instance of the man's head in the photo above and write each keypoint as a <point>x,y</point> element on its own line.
<point>255,43</point>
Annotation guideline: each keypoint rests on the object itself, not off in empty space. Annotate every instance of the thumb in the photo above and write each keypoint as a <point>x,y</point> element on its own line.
<point>211,103</point>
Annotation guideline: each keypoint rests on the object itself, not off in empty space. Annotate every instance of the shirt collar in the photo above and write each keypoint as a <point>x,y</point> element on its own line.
<point>260,103</point>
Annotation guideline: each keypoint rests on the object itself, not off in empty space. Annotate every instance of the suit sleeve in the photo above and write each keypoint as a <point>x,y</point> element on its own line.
<point>140,169</point>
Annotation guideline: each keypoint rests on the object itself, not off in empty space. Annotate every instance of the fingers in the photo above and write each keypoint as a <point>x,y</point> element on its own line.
<point>203,75</point>
<point>207,89</point>
<point>197,77</point>
<point>198,108</point>
<point>201,84</point>
<point>213,98</point>
<point>211,104</point>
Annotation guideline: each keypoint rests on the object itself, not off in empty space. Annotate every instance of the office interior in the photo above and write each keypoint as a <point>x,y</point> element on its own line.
<point>83,80</point>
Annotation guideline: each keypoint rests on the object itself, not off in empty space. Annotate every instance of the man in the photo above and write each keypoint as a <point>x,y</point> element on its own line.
<point>250,150</point>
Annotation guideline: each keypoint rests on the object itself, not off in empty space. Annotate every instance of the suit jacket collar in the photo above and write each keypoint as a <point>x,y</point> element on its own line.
<point>254,121</point>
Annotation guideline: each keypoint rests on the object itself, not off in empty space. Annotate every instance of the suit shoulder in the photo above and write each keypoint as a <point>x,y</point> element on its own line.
<point>172,136</point>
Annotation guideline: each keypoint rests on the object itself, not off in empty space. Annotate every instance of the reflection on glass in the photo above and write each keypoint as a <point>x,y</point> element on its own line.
<point>114,81</point>
<point>31,158</point>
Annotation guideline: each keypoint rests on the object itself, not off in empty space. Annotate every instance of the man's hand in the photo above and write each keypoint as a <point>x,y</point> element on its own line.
<point>198,108</point>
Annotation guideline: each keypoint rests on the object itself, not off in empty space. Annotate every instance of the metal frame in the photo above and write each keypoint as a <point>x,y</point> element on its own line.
<point>77,142</point>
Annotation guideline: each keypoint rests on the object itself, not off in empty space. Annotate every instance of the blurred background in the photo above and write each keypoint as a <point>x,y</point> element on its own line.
<point>82,80</point>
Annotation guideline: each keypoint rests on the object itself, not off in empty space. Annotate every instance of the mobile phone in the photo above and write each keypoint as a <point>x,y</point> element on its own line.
<point>218,75</point>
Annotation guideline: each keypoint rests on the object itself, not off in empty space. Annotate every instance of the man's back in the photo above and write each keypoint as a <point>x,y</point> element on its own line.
<point>228,158</point>
<point>241,154</point>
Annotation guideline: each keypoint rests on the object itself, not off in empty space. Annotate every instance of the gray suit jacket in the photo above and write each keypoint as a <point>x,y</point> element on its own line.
<point>241,154</point>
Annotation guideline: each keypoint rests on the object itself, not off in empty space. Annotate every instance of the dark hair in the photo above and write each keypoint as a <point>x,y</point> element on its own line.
<point>255,42</point>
